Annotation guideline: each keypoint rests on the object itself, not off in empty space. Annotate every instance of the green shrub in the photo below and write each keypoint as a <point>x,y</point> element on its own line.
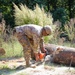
<point>61,15</point>
<point>24,15</point>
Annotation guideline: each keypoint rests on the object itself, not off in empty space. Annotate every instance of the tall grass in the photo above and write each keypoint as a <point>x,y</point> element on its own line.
<point>70,29</point>
<point>10,44</point>
<point>24,15</point>
<point>12,49</point>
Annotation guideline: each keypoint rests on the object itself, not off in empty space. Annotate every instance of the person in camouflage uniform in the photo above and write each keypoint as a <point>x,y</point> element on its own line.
<point>30,37</point>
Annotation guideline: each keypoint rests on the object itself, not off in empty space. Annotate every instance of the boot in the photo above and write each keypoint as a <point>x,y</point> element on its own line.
<point>27,63</point>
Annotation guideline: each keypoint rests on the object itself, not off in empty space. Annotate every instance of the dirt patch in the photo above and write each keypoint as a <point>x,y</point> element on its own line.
<point>12,62</point>
<point>18,64</point>
<point>49,70</point>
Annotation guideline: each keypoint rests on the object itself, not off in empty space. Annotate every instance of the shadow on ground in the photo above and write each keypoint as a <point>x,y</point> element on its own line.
<point>8,71</point>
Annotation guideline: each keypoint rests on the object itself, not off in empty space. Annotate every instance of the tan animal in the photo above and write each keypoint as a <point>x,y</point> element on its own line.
<point>2,51</point>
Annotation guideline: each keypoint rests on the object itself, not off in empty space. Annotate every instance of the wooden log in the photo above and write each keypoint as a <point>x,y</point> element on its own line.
<point>61,54</point>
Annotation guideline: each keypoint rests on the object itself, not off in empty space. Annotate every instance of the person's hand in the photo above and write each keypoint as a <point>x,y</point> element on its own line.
<point>41,56</point>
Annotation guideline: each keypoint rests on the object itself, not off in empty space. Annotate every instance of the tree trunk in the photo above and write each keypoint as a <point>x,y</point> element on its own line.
<point>61,54</point>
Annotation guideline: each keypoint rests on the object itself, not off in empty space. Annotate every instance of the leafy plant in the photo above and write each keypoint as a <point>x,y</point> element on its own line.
<point>61,15</point>
<point>24,15</point>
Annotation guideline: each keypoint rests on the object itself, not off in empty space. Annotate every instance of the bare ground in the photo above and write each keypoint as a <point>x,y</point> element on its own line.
<point>18,64</point>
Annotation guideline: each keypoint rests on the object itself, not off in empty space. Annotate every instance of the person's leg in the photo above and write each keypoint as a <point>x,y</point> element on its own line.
<point>26,49</point>
<point>27,57</point>
<point>32,55</point>
<point>32,52</point>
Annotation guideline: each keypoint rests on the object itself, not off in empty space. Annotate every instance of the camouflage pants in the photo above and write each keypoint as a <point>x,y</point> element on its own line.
<point>26,48</point>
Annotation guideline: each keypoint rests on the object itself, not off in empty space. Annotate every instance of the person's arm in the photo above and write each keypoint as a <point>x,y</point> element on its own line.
<point>35,40</point>
<point>42,48</point>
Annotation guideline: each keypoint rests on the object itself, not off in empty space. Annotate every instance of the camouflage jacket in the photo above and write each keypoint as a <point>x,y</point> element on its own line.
<point>33,32</point>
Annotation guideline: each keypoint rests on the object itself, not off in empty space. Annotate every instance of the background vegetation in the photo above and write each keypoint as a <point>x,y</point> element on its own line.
<point>61,10</point>
<point>58,13</point>
<point>38,16</point>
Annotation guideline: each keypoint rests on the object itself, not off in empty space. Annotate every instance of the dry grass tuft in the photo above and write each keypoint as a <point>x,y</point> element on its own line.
<point>24,15</point>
